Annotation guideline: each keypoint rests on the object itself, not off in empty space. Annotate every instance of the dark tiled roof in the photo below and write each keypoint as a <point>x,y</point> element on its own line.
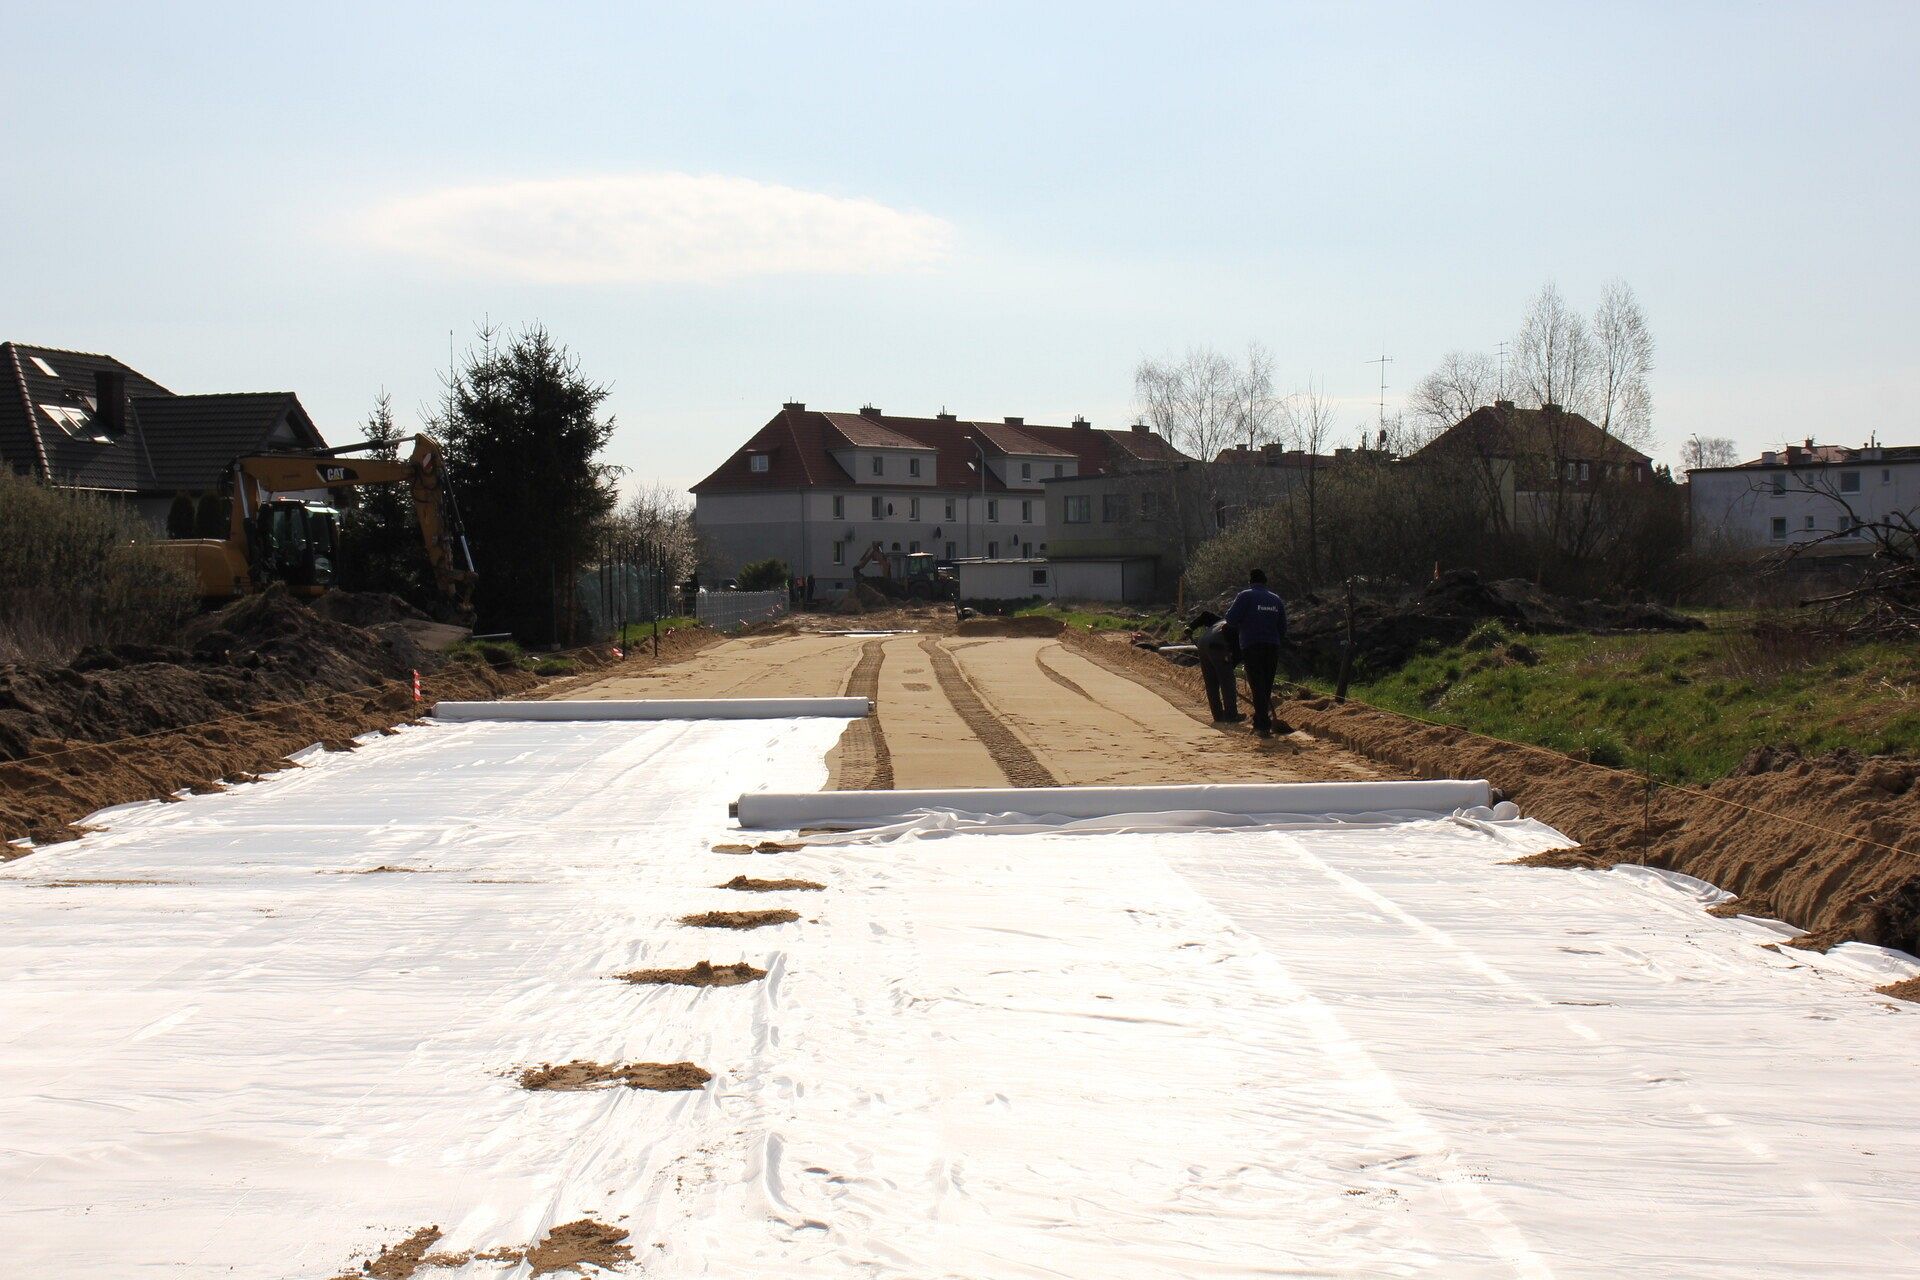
<point>799,442</point>
<point>170,442</point>
<point>193,440</point>
<point>1549,435</point>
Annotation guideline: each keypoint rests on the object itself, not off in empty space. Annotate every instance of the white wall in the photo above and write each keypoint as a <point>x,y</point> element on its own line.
<point>1738,507</point>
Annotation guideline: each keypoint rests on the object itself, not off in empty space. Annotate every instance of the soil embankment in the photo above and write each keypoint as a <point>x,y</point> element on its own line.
<point>238,691</point>
<point>1823,843</point>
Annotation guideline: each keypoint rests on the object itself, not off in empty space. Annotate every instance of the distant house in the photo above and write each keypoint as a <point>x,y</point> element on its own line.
<point>1803,493</point>
<point>81,421</point>
<point>1160,512</point>
<point>1521,463</point>
<point>817,489</point>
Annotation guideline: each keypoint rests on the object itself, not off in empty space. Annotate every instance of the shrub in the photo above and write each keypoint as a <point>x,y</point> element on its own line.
<point>75,572</point>
<point>764,575</point>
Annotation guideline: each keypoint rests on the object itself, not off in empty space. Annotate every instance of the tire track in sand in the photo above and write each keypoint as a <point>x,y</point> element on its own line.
<point>862,761</point>
<point>1022,767</point>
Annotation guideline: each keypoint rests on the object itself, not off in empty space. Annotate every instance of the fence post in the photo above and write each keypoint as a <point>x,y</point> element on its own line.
<point>1346,649</point>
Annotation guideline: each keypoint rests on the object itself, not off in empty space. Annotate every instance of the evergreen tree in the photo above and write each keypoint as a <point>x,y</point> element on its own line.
<point>380,540</point>
<point>523,432</point>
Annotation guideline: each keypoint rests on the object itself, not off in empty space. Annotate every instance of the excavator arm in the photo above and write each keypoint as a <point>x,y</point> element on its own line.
<point>258,478</point>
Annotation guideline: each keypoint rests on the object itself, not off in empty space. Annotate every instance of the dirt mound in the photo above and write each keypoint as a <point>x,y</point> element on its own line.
<point>1830,844</point>
<point>581,1074</point>
<point>1391,626</point>
<point>861,598</point>
<point>573,1244</point>
<point>1029,626</point>
<point>703,974</point>
<point>747,884</point>
<point>739,919</point>
<point>237,690</point>
<point>366,608</point>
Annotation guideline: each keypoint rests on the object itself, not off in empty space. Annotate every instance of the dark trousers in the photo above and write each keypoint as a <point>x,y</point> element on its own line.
<point>1263,661</point>
<point>1222,693</point>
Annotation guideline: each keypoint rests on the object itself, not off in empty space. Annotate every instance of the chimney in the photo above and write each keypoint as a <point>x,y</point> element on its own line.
<point>944,416</point>
<point>1809,442</point>
<point>1140,429</point>
<point>868,411</point>
<point>110,401</point>
<point>1016,422</point>
<point>1081,424</point>
<point>1549,407</point>
<point>1503,404</point>
<point>1770,459</point>
<point>794,406</point>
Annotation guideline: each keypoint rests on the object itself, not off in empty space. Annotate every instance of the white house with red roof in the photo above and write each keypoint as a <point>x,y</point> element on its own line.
<point>817,489</point>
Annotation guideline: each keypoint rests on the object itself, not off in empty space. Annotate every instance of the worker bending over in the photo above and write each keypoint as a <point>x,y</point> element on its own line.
<point>1213,641</point>
<point>1259,622</point>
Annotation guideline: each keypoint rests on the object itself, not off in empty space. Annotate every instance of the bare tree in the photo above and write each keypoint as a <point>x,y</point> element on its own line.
<point>1553,354</point>
<point>1621,400</point>
<point>1463,382</point>
<point>1701,452</point>
<point>1310,425</point>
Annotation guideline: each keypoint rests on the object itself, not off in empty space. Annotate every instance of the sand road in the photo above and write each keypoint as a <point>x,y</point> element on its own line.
<point>988,711</point>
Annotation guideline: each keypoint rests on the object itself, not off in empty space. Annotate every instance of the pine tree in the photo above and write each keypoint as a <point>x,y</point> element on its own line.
<point>523,432</point>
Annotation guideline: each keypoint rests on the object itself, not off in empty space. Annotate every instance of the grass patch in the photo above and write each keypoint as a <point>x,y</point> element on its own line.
<point>1159,625</point>
<point>1694,702</point>
<point>637,632</point>
<point>495,653</point>
<point>555,667</point>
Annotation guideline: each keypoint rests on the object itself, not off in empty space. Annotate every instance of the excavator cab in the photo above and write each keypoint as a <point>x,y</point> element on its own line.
<point>296,542</point>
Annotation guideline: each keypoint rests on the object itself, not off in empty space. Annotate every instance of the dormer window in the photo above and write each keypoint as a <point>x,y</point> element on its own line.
<point>1026,471</point>
<point>757,462</point>
<point>879,465</point>
<point>913,466</point>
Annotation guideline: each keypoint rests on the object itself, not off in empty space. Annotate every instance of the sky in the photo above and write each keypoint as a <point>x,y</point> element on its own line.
<point>990,209</point>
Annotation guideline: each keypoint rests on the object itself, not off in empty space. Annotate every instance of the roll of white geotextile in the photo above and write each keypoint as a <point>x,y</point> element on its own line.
<point>792,810</point>
<point>656,709</point>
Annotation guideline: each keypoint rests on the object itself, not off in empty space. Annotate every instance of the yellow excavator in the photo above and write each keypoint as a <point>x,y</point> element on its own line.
<point>274,538</point>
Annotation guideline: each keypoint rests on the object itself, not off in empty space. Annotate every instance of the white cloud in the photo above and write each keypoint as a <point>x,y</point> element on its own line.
<point>646,228</point>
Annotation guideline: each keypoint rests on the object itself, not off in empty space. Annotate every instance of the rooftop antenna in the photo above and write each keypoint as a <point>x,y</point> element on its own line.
<point>1502,348</point>
<point>1383,362</point>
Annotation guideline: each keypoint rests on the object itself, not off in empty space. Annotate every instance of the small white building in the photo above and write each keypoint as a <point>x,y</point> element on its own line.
<point>1802,494</point>
<point>1114,580</point>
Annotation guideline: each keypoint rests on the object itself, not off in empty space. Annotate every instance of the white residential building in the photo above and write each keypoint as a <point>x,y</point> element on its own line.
<point>1802,494</point>
<point>816,490</point>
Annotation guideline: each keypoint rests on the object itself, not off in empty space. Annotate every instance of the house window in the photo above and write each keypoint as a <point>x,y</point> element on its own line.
<point>839,553</point>
<point>878,512</point>
<point>1853,526</point>
<point>839,507</point>
<point>1849,482</point>
<point>1078,509</point>
<point>949,508</point>
<point>1886,475</point>
<point>913,546</point>
<point>952,550</point>
<point>1808,526</point>
<point>1779,528</point>
<point>1779,486</point>
<point>993,551</point>
<point>1026,549</point>
<point>1037,578</point>
<point>1583,473</point>
<point>1149,505</point>
<point>1026,511</point>
<point>1220,516</point>
<point>913,466</point>
<point>758,462</point>
<point>993,508</point>
<point>913,508</point>
<point>1059,469</point>
<point>1026,471</point>
<point>879,465</point>
<point>1113,508</point>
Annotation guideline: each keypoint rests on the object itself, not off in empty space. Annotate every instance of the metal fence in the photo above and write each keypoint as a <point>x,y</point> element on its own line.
<point>730,610</point>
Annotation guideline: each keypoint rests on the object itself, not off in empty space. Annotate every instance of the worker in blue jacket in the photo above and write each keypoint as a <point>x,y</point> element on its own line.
<point>1259,621</point>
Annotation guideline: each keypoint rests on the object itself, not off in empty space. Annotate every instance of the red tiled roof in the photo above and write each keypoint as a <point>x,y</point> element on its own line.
<point>799,444</point>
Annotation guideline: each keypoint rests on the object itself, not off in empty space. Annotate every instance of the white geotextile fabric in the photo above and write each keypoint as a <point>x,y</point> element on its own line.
<point>1356,1049</point>
<point>653,709</point>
